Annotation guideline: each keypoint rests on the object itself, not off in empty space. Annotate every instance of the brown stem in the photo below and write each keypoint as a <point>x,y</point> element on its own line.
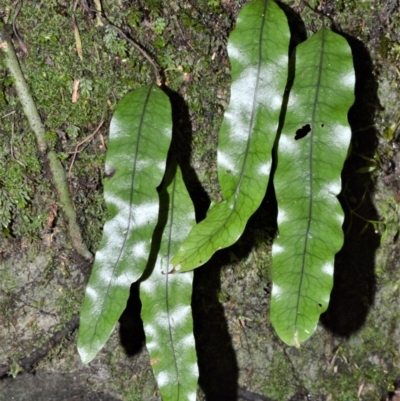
<point>139,48</point>
<point>36,124</point>
<point>28,362</point>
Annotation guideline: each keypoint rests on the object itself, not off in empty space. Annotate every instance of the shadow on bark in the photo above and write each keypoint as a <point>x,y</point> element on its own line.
<point>131,332</point>
<point>216,358</point>
<point>354,278</point>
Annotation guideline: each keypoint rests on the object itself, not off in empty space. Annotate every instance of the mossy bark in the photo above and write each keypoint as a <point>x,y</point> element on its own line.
<point>36,124</point>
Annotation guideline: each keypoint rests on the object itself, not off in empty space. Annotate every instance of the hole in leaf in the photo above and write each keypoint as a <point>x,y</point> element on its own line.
<point>320,305</point>
<point>322,125</point>
<point>302,132</point>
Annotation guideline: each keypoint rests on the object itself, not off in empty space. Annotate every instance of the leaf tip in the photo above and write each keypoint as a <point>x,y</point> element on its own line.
<point>86,357</point>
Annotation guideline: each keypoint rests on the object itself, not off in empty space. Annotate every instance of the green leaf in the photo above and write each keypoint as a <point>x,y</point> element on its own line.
<point>257,50</point>
<point>140,134</point>
<point>166,303</point>
<point>307,182</point>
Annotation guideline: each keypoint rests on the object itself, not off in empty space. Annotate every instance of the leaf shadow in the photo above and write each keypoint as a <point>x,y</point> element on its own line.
<point>132,335</point>
<point>217,361</point>
<point>354,275</point>
<point>181,148</point>
<point>131,331</point>
<point>216,358</point>
<point>219,371</point>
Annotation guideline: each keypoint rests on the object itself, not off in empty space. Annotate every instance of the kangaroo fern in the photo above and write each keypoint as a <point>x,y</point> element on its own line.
<point>166,300</point>
<point>146,227</point>
<point>307,181</point>
<point>140,135</point>
<point>258,49</point>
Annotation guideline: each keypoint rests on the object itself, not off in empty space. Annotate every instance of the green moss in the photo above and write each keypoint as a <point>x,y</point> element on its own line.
<point>68,303</point>
<point>279,382</point>
<point>50,70</point>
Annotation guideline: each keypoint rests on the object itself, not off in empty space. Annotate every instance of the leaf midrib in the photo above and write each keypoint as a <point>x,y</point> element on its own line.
<point>251,122</point>
<point>311,198</point>
<point>145,105</point>
<point>171,222</point>
<point>255,95</point>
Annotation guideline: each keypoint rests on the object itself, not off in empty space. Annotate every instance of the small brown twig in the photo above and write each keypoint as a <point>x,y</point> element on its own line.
<point>78,41</point>
<point>321,13</point>
<point>138,47</point>
<point>18,6</point>
<point>29,361</point>
<point>9,114</point>
<point>81,143</point>
<point>178,24</point>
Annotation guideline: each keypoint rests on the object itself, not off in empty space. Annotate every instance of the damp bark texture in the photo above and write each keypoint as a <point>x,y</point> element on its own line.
<point>57,172</point>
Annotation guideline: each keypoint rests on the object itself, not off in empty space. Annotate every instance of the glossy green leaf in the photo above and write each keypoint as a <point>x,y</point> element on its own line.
<point>307,182</point>
<point>258,49</point>
<point>166,303</point>
<point>140,134</point>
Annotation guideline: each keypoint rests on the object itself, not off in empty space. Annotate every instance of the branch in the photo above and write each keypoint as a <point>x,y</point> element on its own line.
<point>24,95</point>
<point>138,47</point>
<point>28,362</point>
<point>36,124</point>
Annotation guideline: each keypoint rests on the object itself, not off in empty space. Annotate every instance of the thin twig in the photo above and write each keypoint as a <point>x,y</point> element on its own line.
<point>320,13</point>
<point>28,362</point>
<point>99,11</point>
<point>138,47</point>
<point>9,114</point>
<point>16,12</point>
<point>81,143</point>
<point>184,36</point>
<point>77,36</point>
<point>21,87</point>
